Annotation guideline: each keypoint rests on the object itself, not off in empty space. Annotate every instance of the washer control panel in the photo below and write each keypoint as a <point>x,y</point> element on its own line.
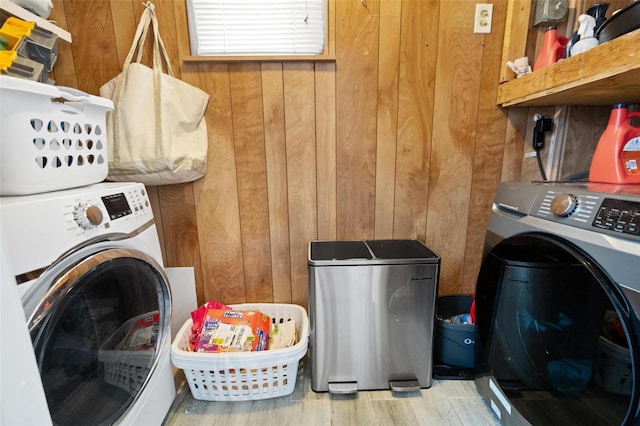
<point>577,208</point>
<point>619,216</point>
<point>588,210</point>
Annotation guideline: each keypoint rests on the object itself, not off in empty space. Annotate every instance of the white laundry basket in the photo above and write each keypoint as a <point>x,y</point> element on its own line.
<point>128,369</point>
<point>51,137</point>
<point>244,376</point>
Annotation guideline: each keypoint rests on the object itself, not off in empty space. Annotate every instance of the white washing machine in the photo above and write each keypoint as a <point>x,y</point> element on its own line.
<point>91,344</point>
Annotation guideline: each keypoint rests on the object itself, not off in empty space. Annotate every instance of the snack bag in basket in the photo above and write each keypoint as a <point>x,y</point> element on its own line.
<point>233,331</point>
<point>197,317</point>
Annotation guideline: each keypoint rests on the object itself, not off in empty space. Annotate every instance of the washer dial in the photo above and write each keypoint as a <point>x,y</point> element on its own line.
<point>564,205</point>
<point>87,216</point>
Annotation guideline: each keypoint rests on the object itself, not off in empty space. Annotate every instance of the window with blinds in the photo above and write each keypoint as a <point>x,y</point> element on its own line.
<point>256,27</point>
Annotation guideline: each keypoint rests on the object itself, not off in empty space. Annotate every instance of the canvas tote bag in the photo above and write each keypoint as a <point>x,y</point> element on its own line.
<point>157,133</point>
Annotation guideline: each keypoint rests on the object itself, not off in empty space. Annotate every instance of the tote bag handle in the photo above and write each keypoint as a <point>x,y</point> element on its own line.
<point>148,19</point>
<point>160,54</point>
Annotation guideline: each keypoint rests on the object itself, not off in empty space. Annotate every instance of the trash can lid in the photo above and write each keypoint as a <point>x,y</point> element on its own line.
<point>400,249</point>
<point>334,253</point>
<point>339,250</point>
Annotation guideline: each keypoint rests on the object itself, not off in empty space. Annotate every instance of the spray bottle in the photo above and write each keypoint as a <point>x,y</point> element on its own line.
<point>617,156</point>
<point>585,31</point>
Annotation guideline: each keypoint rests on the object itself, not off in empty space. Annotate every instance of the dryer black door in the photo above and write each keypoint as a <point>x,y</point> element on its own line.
<point>96,334</point>
<point>556,335</point>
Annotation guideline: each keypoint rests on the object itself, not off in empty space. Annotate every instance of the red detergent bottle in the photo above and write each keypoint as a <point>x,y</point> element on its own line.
<point>617,156</point>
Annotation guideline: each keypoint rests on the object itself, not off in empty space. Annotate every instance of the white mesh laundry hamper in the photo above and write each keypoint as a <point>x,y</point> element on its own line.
<point>244,376</point>
<point>51,137</point>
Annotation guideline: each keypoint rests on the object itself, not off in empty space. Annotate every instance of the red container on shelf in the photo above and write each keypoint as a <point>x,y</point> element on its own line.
<point>553,48</point>
<point>617,155</point>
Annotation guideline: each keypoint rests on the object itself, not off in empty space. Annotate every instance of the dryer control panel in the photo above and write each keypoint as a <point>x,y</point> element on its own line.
<point>41,227</point>
<point>115,209</point>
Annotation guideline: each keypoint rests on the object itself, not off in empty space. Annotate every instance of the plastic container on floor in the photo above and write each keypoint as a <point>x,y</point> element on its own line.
<point>455,343</point>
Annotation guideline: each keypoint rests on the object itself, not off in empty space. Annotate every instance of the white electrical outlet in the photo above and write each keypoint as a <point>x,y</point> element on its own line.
<point>482,21</point>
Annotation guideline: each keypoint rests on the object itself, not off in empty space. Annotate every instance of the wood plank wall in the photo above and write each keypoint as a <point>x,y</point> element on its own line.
<point>400,137</point>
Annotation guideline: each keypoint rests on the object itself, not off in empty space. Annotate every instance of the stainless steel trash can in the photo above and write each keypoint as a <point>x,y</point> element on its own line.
<point>371,306</point>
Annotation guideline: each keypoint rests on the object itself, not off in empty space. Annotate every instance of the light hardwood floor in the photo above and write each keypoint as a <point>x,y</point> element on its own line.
<point>446,402</point>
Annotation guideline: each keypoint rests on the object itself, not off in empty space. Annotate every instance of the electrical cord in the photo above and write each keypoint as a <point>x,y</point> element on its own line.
<point>540,166</point>
<point>578,176</point>
<point>543,124</point>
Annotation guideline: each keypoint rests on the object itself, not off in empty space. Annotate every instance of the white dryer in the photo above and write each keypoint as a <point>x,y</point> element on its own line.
<point>86,267</point>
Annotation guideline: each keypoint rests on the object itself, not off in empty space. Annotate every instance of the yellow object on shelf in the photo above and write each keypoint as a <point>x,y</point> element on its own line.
<point>7,57</point>
<point>14,31</point>
<point>18,26</point>
<point>32,44</point>
<point>12,9</point>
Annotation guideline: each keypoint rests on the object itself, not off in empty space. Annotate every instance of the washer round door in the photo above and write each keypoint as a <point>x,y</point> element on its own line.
<point>547,318</point>
<point>98,319</point>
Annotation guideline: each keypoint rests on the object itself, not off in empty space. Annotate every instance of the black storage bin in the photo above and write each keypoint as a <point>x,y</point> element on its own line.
<point>455,343</point>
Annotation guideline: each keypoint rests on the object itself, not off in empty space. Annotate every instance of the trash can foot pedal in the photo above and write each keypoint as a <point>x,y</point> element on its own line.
<point>412,385</point>
<point>343,387</point>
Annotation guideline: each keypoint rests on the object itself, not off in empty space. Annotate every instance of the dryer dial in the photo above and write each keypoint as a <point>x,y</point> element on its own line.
<point>563,205</point>
<point>87,216</point>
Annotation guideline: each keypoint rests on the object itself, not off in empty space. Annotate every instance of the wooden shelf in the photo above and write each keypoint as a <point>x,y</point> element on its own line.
<point>605,75</point>
<point>13,9</point>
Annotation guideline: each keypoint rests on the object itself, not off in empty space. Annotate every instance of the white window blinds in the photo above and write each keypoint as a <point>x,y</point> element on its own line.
<point>256,27</point>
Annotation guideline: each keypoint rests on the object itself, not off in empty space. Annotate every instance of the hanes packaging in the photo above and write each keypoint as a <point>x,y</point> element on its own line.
<point>233,331</point>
